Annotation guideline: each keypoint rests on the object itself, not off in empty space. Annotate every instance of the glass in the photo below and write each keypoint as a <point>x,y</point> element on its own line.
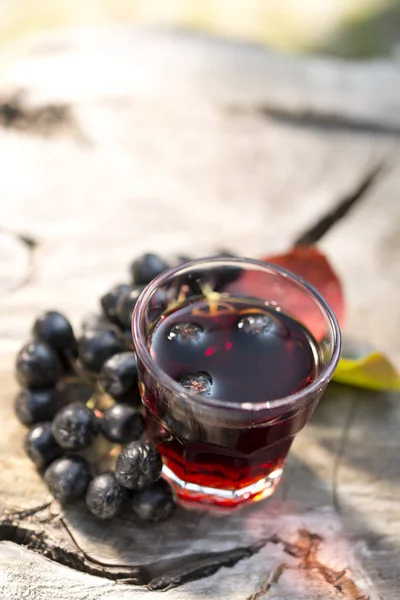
<point>217,451</point>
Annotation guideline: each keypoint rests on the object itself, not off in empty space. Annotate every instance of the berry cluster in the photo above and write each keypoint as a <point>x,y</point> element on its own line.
<point>61,432</point>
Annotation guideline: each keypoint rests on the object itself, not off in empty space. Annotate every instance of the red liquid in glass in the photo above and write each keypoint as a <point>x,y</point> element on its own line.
<point>250,353</point>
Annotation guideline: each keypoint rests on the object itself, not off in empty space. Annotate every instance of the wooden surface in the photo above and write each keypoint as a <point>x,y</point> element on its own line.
<point>186,144</point>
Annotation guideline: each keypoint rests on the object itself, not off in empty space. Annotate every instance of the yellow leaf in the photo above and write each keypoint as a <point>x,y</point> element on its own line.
<point>372,371</point>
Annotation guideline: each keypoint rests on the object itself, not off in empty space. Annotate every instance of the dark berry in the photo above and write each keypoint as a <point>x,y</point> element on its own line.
<point>186,332</point>
<point>126,336</point>
<point>122,423</point>
<point>181,259</point>
<point>146,268</point>
<point>38,366</point>
<point>258,325</point>
<point>138,465</point>
<point>125,306</point>
<point>40,445</point>
<point>105,497</point>
<point>74,391</point>
<point>110,300</point>
<point>154,503</point>
<point>198,383</point>
<point>75,426</point>
<point>68,478</point>
<point>55,329</point>
<point>225,254</point>
<point>119,378</point>
<point>95,347</point>
<point>94,322</point>
<point>34,406</point>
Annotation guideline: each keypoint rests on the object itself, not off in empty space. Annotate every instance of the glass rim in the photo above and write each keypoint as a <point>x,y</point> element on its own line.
<point>173,386</point>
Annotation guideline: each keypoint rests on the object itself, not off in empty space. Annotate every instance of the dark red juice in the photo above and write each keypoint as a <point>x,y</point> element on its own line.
<point>234,350</point>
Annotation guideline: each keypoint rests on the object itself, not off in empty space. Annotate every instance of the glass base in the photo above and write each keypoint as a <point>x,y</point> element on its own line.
<point>263,488</point>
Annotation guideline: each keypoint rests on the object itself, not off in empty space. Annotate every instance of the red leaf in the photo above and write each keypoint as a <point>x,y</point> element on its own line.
<point>310,264</point>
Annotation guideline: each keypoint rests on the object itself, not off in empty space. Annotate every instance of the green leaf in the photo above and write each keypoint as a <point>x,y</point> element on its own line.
<point>371,371</point>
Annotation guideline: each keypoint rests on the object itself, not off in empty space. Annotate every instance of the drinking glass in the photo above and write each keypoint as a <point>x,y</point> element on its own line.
<point>216,451</point>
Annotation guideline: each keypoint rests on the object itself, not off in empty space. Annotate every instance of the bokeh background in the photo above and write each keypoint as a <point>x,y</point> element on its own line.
<point>349,28</point>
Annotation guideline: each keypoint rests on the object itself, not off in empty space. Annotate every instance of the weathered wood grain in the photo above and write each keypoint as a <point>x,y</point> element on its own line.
<point>365,250</point>
<point>185,144</point>
<point>190,66</point>
<point>304,502</point>
<point>183,173</point>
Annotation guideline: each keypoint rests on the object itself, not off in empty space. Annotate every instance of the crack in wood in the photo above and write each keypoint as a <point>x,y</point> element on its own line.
<point>161,575</point>
<point>166,574</point>
<point>308,117</point>
<point>31,244</point>
<point>83,552</point>
<point>46,120</point>
<point>268,582</point>
<point>204,565</point>
<point>305,549</point>
<point>25,239</point>
<point>24,514</point>
<point>40,542</point>
<point>314,233</point>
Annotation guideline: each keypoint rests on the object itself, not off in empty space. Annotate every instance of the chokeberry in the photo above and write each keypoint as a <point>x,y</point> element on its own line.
<point>119,378</point>
<point>55,329</point>
<point>68,478</point>
<point>75,426</point>
<point>122,423</point>
<point>181,259</point>
<point>34,406</point>
<point>126,303</point>
<point>37,366</point>
<point>95,347</point>
<point>94,322</point>
<point>154,503</point>
<point>199,383</point>
<point>257,325</point>
<point>186,333</point>
<point>40,445</point>
<point>225,254</point>
<point>138,465</point>
<point>145,268</point>
<point>105,497</point>
<point>110,300</point>
<point>126,336</point>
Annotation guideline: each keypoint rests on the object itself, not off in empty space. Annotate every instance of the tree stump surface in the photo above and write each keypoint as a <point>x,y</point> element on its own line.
<point>117,141</point>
